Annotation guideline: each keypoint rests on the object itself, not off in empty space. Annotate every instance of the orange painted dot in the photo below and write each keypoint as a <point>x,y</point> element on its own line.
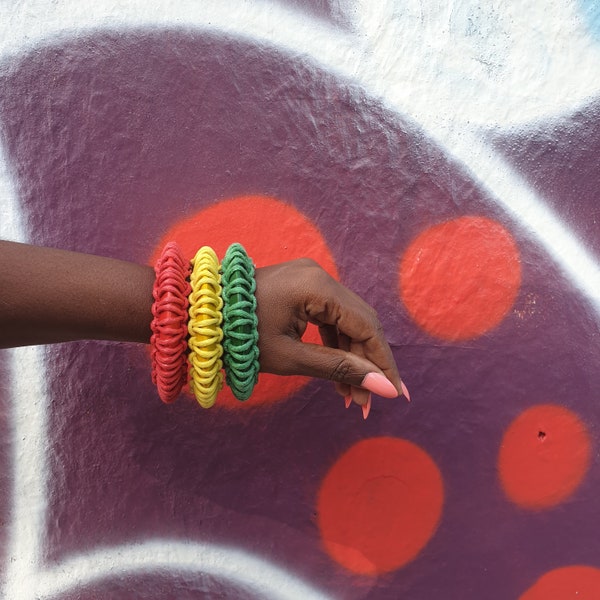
<point>545,454</point>
<point>459,279</point>
<point>567,583</point>
<point>379,505</point>
<point>272,232</point>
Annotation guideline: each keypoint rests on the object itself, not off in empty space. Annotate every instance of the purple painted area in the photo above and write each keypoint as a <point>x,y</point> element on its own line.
<point>561,160</point>
<point>114,138</point>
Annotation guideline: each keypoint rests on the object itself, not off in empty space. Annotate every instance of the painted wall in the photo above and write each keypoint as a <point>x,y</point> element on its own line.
<point>441,159</point>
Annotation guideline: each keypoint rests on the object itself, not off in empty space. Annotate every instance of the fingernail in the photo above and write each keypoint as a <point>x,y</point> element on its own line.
<point>405,390</point>
<point>348,400</point>
<point>379,384</point>
<point>366,408</point>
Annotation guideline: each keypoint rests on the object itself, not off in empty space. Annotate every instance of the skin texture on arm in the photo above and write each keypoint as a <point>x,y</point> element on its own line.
<point>49,296</point>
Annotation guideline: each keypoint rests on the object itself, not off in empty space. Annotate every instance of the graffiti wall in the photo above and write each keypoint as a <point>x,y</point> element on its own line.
<point>439,158</point>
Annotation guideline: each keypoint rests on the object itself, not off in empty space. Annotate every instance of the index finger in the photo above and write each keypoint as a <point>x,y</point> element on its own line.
<point>356,319</point>
<point>368,333</point>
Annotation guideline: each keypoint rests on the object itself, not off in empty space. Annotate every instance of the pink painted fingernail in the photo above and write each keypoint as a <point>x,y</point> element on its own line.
<point>348,400</point>
<point>379,384</point>
<point>366,408</point>
<point>405,391</point>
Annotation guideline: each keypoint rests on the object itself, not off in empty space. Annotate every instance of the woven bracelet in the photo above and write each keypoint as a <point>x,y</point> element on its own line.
<point>204,326</point>
<point>240,323</point>
<point>168,343</point>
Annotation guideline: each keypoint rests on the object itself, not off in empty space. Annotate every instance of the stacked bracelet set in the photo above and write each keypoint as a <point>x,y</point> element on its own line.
<point>204,321</point>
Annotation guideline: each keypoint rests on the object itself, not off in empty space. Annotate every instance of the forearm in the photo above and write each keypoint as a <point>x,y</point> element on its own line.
<point>49,296</point>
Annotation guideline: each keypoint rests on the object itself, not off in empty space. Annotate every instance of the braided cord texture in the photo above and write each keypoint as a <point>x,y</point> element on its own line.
<point>168,343</point>
<point>240,322</point>
<point>204,326</point>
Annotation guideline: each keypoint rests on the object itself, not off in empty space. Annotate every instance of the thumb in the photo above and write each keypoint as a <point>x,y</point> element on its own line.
<point>324,362</point>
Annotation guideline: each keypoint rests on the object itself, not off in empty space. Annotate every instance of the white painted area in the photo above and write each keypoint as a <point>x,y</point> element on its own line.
<point>498,62</point>
<point>29,397</point>
<point>257,20</point>
<point>452,66</point>
<point>29,498</point>
<point>11,221</point>
<point>491,62</point>
<point>170,556</point>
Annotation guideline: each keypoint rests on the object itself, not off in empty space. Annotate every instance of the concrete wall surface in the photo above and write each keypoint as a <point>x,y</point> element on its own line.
<point>441,159</point>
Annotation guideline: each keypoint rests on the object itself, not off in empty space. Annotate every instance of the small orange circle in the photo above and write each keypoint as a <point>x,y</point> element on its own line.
<point>272,232</point>
<point>458,279</point>
<point>566,583</point>
<point>379,505</point>
<point>545,454</point>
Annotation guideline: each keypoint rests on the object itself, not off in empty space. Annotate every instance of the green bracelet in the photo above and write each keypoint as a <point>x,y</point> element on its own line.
<point>240,323</point>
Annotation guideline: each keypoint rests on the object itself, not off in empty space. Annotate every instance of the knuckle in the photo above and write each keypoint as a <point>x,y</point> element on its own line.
<point>308,262</point>
<point>375,323</point>
<point>340,370</point>
<point>377,326</point>
<point>375,330</point>
<point>322,277</point>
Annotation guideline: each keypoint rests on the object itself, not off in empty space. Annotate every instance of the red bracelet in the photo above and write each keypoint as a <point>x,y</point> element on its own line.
<point>169,325</point>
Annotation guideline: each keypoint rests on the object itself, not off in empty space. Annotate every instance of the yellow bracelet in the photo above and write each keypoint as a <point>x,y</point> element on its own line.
<point>204,326</point>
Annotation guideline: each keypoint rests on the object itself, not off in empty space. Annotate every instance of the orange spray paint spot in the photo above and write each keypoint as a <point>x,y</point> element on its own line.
<point>544,456</point>
<point>567,583</point>
<point>459,279</point>
<point>379,505</point>
<point>272,232</point>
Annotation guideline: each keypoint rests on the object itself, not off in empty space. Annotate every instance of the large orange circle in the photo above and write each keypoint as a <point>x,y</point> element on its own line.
<point>545,454</point>
<point>458,279</point>
<point>566,583</point>
<point>272,232</point>
<point>379,505</point>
